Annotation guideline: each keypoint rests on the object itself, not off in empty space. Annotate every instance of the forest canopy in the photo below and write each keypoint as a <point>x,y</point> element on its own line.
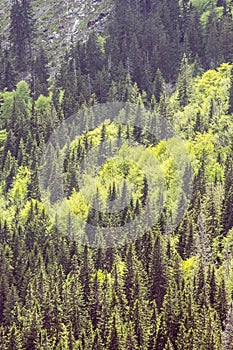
<point>163,285</point>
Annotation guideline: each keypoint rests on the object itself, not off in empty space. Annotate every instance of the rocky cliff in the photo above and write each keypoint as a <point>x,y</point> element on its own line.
<point>59,22</point>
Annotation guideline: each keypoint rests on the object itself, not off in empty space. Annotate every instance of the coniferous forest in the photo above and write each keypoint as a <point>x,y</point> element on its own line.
<point>167,285</point>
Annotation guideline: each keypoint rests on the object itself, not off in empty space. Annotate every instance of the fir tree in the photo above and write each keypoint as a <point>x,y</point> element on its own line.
<point>21,31</point>
<point>230,108</point>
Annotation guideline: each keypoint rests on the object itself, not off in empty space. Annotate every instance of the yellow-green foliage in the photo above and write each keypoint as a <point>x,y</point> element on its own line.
<point>18,192</point>
<point>205,7</point>
<point>228,254</point>
<point>42,103</point>
<point>27,207</point>
<point>3,137</point>
<point>210,100</point>
<point>189,266</point>
<point>130,163</point>
<point>204,147</point>
<point>78,204</point>
<point>218,12</point>
<point>19,97</point>
<point>7,105</point>
<point>101,40</point>
<point>213,84</point>
<point>210,90</point>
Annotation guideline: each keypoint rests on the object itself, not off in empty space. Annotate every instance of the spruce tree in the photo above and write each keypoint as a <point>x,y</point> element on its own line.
<point>113,341</point>
<point>183,84</point>
<point>228,332</point>
<point>230,108</point>
<point>157,273</point>
<point>21,31</point>
<point>14,338</point>
<point>40,75</point>
<point>158,85</point>
<point>212,43</point>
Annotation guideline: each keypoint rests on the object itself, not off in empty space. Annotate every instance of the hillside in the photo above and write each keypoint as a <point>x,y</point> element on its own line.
<point>116,161</point>
<point>59,22</point>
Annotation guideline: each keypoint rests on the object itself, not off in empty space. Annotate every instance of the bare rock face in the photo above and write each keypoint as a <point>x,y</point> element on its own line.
<point>59,22</point>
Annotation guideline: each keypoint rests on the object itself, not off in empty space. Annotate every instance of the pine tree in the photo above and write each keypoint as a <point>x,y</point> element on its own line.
<point>3,339</point>
<point>184,339</point>
<point>95,302</point>
<point>158,85</point>
<point>228,332</point>
<point>213,289</point>
<point>230,108</point>
<point>171,312</point>
<point>201,287</point>
<point>153,322</point>
<point>97,343</point>
<point>169,12</point>
<point>138,328</point>
<point>129,276</point>
<point>212,41</point>
<point>40,75</point>
<point>63,343</point>
<point>168,345</point>
<point>85,274</point>
<point>113,341</point>
<point>196,36</point>
<point>130,341</point>
<point>8,76</point>
<point>157,273</point>
<point>21,30</point>
<point>226,37</point>
<point>227,218</point>
<point>183,84</point>
<point>14,338</point>
<point>10,307</point>
<point>221,304</point>
<point>4,290</point>
<point>32,326</point>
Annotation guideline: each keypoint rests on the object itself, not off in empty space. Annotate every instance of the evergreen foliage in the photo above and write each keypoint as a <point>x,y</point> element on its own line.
<point>162,290</point>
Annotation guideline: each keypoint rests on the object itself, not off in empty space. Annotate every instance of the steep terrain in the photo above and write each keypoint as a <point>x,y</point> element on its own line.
<point>59,22</point>
<point>116,225</point>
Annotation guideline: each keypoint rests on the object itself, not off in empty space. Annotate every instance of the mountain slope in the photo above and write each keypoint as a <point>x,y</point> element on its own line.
<point>59,22</point>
